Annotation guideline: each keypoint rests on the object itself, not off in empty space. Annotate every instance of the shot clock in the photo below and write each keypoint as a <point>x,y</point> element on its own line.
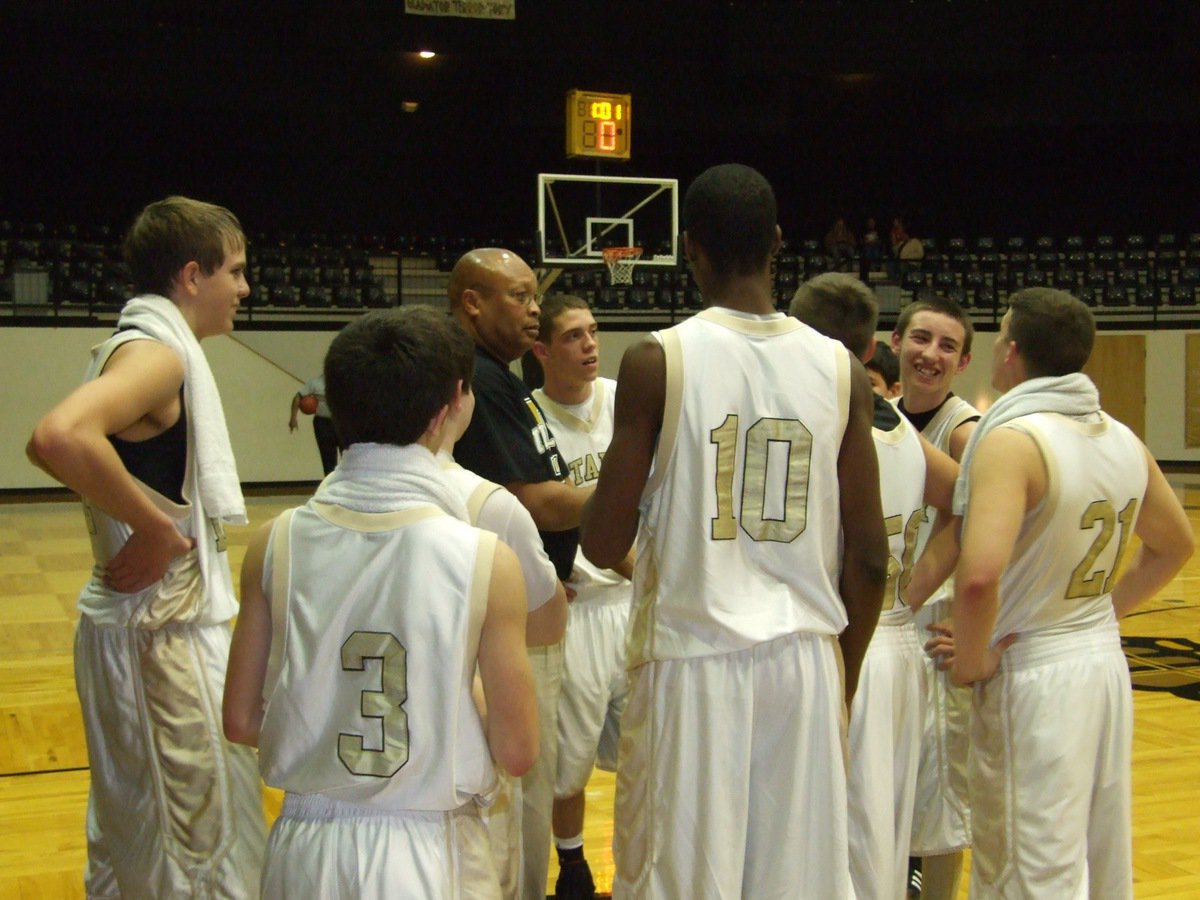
<point>598,125</point>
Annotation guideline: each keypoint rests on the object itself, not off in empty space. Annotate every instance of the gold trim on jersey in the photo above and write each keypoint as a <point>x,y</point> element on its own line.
<point>672,407</point>
<point>374,522</point>
<point>842,359</point>
<point>949,418</point>
<point>479,494</point>
<point>481,583</point>
<point>759,325</point>
<point>894,436</point>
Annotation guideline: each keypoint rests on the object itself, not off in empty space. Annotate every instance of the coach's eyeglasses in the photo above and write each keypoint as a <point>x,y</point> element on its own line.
<point>521,298</point>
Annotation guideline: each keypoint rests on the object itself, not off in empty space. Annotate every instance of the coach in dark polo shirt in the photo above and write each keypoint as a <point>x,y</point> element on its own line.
<point>493,294</point>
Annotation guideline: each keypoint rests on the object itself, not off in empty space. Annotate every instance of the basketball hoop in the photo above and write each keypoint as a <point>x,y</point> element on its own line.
<point>620,262</point>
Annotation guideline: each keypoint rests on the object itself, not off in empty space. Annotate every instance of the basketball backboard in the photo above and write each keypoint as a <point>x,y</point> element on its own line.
<point>580,215</point>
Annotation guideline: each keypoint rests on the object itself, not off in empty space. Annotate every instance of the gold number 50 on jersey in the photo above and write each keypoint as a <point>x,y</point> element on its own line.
<point>775,463</point>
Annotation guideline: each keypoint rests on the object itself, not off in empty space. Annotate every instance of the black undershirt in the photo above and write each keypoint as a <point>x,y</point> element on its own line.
<point>158,462</point>
<point>886,417</point>
<point>921,419</point>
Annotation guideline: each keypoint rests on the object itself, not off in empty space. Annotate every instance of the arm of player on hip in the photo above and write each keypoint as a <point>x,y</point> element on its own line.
<point>1008,478</point>
<point>242,708</point>
<point>610,517</point>
<point>131,398</point>
<point>864,536</point>
<point>1167,542</point>
<point>940,555</point>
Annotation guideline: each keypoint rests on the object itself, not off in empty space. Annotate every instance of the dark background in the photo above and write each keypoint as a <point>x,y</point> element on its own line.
<point>963,117</point>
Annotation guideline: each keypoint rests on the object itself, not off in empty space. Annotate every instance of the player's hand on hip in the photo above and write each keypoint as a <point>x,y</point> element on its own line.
<point>144,560</point>
<point>940,647</point>
<point>988,664</point>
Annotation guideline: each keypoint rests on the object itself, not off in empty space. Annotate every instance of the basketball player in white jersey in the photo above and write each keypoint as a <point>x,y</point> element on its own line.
<point>492,508</point>
<point>578,406</point>
<point>887,714</point>
<point>1051,490</point>
<point>365,615</point>
<point>932,340</point>
<point>742,447</point>
<point>173,809</point>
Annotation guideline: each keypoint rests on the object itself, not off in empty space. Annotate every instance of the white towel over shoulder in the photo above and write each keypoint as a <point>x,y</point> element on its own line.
<point>217,478</point>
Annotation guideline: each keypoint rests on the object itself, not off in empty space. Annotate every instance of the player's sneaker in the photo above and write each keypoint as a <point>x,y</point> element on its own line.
<point>574,880</point>
<point>914,883</point>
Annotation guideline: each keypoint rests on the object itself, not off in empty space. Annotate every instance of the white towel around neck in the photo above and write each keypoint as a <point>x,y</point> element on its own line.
<point>1070,395</point>
<point>377,478</point>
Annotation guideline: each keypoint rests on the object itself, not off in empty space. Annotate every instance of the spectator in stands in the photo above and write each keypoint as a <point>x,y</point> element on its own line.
<point>840,243</point>
<point>871,247</point>
<point>899,235</point>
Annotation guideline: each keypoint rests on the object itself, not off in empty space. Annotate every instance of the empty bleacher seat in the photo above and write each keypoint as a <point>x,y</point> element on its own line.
<point>374,296</point>
<point>1115,295</point>
<point>1183,295</point>
<point>285,295</point>
<point>1150,295</point>
<point>1065,280</point>
<point>944,281</point>
<point>985,297</point>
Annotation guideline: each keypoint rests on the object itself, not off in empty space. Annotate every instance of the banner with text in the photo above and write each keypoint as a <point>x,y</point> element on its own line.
<point>467,9</point>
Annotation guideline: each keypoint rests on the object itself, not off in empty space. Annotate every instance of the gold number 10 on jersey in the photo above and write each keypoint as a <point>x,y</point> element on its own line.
<point>775,462</point>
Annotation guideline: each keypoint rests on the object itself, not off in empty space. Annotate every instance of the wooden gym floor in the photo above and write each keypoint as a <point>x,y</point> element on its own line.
<point>44,559</point>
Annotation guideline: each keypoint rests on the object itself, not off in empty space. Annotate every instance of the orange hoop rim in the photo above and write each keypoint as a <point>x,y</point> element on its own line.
<point>615,254</point>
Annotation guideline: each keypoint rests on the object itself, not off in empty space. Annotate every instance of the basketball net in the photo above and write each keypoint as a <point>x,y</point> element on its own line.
<point>620,262</point>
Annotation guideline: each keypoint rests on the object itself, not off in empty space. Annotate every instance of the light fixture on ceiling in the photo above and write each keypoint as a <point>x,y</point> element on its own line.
<point>426,54</point>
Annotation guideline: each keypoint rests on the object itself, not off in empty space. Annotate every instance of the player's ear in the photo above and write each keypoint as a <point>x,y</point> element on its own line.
<point>188,277</point>
<point>963,361</point>
<point>896,342</point>
<point>870,354</point>
<point>541,351</point>
<point>470,301</point>
<point>778,241</point>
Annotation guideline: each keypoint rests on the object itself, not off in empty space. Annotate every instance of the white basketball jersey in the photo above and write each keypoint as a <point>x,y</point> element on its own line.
<point>583,437</point>
<point>902,489</point>
<point>375,632</point>
<point>740,520</point>
<point>1067,553</point>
